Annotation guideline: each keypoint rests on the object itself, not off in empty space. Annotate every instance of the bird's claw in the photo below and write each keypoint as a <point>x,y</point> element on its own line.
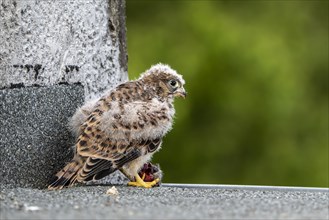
<point>144,184</point>
<point>139,182</point>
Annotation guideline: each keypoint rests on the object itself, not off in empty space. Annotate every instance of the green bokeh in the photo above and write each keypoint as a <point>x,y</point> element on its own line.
<point>257,82</point>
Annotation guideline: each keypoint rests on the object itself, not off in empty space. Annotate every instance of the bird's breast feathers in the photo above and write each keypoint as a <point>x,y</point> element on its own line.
<point>140,119</point>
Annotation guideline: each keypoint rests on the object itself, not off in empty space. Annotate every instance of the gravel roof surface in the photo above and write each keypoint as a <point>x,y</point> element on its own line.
<point>165,202</point>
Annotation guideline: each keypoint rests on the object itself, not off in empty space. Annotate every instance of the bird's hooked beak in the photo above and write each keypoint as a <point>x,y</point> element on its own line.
<point>180,93</point>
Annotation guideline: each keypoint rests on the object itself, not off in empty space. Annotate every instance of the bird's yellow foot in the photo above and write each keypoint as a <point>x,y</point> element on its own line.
<point>140,182</point>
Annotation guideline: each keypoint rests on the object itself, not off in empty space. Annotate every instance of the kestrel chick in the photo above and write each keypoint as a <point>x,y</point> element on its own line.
<point>124,128</point>
<point>149,171</point>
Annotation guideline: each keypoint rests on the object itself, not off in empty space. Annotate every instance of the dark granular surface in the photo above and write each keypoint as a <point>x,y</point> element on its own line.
<point>92,202</point>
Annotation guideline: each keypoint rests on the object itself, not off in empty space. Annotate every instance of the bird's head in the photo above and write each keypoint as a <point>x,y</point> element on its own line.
<point>164,81</point>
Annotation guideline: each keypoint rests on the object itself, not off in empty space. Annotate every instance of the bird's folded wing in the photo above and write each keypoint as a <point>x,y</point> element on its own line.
<point>95,168</point>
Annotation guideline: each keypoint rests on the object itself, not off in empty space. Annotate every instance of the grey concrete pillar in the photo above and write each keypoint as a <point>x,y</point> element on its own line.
<point>54,55</point>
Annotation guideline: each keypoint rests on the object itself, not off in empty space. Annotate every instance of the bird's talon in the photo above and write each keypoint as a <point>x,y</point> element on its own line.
<point>140,182</point>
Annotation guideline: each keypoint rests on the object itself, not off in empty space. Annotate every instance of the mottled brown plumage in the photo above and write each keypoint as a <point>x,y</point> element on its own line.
<point>123,128</point>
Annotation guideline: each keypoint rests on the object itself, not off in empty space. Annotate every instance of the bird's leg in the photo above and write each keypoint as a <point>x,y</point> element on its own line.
<point>140,182</point>
<point>128,176</point>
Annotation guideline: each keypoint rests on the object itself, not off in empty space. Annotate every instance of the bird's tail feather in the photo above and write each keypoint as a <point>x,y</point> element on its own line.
<point>65,177</point>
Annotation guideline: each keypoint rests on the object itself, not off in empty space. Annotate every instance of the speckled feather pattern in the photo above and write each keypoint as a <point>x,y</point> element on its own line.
<point>123,128</point>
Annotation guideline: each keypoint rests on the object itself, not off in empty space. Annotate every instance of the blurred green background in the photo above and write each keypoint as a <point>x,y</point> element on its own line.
<point>257,78</point>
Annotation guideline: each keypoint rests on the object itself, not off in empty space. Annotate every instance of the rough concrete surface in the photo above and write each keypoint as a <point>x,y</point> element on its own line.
<point>45,42</point>
<point>92,202</point>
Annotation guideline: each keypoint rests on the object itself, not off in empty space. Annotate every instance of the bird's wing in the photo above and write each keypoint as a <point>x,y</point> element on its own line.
<point>95,168</point>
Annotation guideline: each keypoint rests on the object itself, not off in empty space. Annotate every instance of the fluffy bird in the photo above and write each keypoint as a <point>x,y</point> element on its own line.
<point>149,171</point>
<point>123,129</point>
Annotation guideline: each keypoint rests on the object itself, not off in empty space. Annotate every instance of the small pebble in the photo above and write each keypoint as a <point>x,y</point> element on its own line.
<point>32,208</point>
<point>112,191</point>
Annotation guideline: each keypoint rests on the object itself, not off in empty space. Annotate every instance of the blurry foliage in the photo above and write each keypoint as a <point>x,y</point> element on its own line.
<point>257,82</point>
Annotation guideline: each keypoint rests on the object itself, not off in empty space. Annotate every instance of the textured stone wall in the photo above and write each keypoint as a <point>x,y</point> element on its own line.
<point>54,55</point>
<point>46,42</point>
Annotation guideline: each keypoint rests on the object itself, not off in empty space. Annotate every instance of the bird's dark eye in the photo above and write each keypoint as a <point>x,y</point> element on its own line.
<point>173,83</point>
